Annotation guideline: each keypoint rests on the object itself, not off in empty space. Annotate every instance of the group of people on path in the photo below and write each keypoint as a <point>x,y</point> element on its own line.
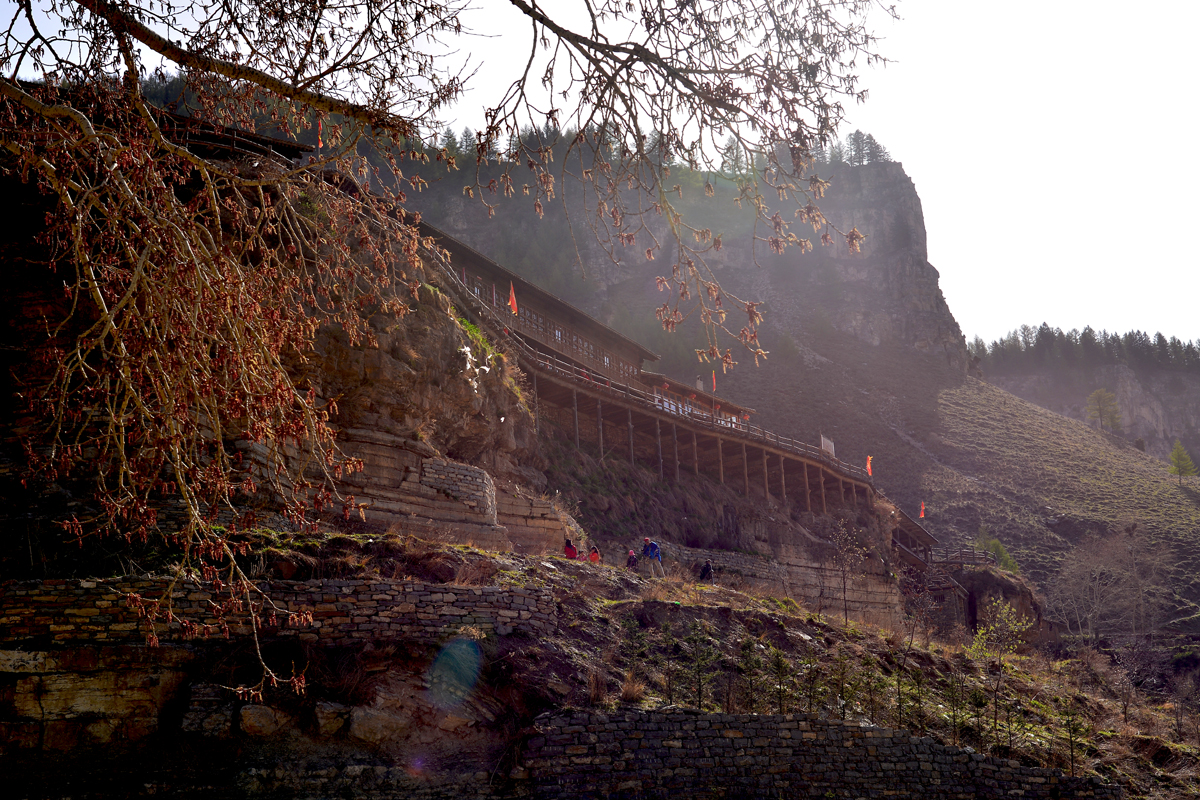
<point>572,552</point>
<point>651,552</point>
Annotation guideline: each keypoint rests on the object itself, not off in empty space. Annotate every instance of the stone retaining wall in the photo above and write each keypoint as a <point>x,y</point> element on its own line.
<point>533,523</point>
<point>344,611</point>
<point>798,573</point>
<point>406,482</point>
<point>682,755</point>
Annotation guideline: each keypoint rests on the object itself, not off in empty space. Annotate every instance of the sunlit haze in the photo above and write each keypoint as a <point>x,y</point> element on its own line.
<point>1050,145</point>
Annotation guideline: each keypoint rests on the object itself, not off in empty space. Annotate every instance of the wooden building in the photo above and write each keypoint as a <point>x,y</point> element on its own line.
<point>594,379</point>
<point>546,322</point>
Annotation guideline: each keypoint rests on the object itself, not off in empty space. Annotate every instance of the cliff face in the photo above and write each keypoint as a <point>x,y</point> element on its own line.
<point>888,293</point>
<point>1157,406</point>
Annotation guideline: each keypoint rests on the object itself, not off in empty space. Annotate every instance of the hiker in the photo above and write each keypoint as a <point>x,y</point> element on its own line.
<point>631,562</point>
<point>569,550</point>
<point>653,554</point>
<point>594,556</point>
<point>706,571</point>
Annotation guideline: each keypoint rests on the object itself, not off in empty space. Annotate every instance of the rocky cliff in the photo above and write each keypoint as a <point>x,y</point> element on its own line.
<point>1157,406</point>
<point>887,293</point>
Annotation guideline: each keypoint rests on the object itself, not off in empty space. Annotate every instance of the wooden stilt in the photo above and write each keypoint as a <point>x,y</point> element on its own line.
<point>658,438</point>
<point>782,479</point>
<point>745,472</point>
<point>629,413</point>
<point>841,492</point>
<point>807,489</point>
<point>824,505</point>
<point>675,448</point>
<point>766,483</point>
<point>537,406</point>
<point>720,461</point>
<point>695,456</point>
<point>575,405</point>
<point>600,427</point>
<point>854,495</point>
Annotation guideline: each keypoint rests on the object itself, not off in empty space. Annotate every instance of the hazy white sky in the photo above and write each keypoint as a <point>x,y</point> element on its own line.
<point>1050,142</point>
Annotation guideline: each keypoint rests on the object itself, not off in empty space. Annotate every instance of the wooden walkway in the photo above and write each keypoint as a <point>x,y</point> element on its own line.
<point>621,418</point>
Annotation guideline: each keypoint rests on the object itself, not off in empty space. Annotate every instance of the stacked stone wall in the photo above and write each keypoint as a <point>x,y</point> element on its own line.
<point>405,483</point>
<point>802,576</point>
<point>533,523</point>
<point>682,755</point>
<point>343,611</point>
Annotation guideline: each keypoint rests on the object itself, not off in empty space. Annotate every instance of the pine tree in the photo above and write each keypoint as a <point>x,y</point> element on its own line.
<point>450,142</point>
<point>467,143</point>
<point>858,148</point>
<point>1102,407</point>
<point>1181,462</point>
<point>876,153</point>
<point>733,160</point>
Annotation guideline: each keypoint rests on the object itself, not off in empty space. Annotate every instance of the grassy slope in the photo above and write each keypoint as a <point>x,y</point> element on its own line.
<point>1010,459</point>
<point>611,651</point>
<point>973,453</point>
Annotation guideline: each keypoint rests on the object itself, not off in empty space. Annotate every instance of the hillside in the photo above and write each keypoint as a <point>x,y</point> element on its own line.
<point>864,349</point>
<point>451,708</point>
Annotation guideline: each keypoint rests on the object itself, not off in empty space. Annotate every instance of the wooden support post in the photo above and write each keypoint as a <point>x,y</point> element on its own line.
<point>841,492</point>
<point>675,447</point>
<point>745,471</point>
<point>536,407</point>
<point>766,483</point>
<point>575,405</point>
<point>824,506</point>
<point>629,412</point>
<point>720,461</point>
<point>854,495</point>
<point>658,438</point>
<point>782,479</point>
<point>807,489</point>
<point>695,456</point>
<point>600,427</point>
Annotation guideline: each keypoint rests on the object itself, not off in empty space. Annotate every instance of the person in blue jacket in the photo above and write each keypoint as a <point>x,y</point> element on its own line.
<point>653,555</point>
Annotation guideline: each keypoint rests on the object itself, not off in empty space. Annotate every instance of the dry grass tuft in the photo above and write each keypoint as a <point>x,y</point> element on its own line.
<point>633,690</point>
<point>597,688</point>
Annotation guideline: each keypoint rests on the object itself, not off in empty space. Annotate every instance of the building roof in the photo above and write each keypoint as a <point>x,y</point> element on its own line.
<point>206,139</point>
<point>914,529</point>
<point>463,254</point>
<point>688,389</point>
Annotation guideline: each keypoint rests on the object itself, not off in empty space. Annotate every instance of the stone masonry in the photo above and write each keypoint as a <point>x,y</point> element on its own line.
<point>343,611</point>
<point>683,755</point>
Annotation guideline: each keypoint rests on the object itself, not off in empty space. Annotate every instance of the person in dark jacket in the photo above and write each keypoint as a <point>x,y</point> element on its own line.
<point>706,572</point>
<point>632,561</point>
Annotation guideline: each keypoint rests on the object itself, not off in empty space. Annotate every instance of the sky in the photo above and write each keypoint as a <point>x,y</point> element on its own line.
<point>1049,142</point>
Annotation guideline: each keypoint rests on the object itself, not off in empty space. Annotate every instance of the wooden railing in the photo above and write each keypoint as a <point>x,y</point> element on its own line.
<point>963,555</point>
<point>501,326</point>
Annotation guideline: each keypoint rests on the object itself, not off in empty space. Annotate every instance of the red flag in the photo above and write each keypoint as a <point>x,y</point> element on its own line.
<point>714,381</point>
<point>512,298</point>
<point>922,514</point>
<point>319,143</point>
<point>868,465</point>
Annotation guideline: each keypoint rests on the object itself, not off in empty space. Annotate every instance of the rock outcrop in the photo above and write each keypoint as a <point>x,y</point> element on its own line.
<point>1157,406</point>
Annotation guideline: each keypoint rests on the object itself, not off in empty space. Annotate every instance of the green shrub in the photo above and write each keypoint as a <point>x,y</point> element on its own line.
<point>996,548</point>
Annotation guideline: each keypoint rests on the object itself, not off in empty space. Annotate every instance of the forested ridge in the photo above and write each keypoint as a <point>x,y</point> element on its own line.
<point>1026,349</point>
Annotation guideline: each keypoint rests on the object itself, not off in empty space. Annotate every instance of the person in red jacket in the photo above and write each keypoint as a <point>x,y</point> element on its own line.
<point>594,556</point>
<point>569,550</point>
